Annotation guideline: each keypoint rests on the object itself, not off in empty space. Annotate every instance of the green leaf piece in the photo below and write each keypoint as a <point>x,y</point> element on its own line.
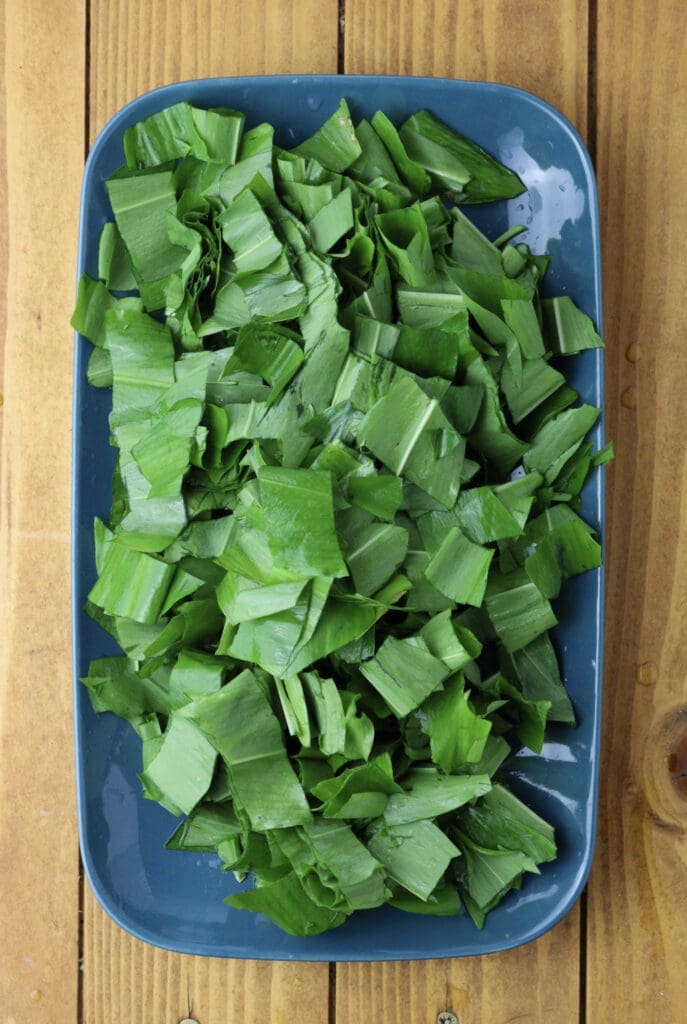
<point>299,514</point>
<point>535,670</point>
<point>404,673</point>
<point>443,902</point>
<point>456,163</point>
<point>332,222</point>
<point>163,252</point>
<point>568,329</point>
<point>358,792</point>
<point>500,819</point>
<point>208,825</point>
<point>92,303</point>
<point>406,238</point>
<point>517,609</point>
<point>181,773</point>
<point>455,645</point>
<point>520,315</point>
<point>358,875</point>
<point>415,176</point>
<point>334,145</point>
<point>408,432</point>
<point>380,494</point>
<point>458,734</point>
<point>484,517</point>
<point>268,351</point>
<point>471,249</point>
<point>286,903</point>
<point>132,584</point>
<point>459,568</point>
<point>535,382</point>
<point>243,729</point>
<point>487,873</point>
<point>416,854</point>
<point>375,555</point>
<point>182,130</point>
<point>557,440</point>
<point>429,794</point>
<point>328,714</point>
<point>248,232</point>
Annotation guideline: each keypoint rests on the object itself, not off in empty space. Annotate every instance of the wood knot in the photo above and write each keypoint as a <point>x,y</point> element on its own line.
<point>664,770</point>
<point>677,766</point>
<point>630,787</point>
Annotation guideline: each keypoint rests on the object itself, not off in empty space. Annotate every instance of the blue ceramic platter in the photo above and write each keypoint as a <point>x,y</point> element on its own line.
<point>175,900</point>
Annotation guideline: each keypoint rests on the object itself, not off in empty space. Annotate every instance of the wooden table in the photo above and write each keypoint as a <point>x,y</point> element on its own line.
<point>617,69</point>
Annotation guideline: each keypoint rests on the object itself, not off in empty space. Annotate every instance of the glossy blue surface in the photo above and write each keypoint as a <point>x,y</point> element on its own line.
<point>175,899</point>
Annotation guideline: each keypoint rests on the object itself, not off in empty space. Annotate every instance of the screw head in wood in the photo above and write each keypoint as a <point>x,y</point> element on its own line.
<point>446,1017</point>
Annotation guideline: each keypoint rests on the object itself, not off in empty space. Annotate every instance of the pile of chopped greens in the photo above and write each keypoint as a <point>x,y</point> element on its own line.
<point>344,499</point>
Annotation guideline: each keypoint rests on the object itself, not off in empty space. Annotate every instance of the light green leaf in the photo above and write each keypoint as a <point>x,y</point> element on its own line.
<point>404,673</point>
<point>429,794</point>
<point>416,854</point>
<point>243,729</point>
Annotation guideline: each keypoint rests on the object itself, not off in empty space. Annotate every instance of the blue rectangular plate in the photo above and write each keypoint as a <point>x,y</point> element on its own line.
<point>175,900</point>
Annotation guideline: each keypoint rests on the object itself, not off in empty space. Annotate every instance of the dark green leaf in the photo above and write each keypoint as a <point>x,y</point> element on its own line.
<point>455,163</point>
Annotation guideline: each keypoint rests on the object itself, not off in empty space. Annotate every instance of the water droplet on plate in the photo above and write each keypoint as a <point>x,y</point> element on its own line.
<point>313,102</point>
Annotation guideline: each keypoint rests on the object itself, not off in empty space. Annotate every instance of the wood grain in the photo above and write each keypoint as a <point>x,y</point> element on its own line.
<point>637,909</point>
<point>536,983</point>
<point>542,47</point>
<point>4,222</point>
<point>129,982</point>
<point>135,46</point>
<point>533,44</point>
<point>639,880</point>
<point>42,149</point>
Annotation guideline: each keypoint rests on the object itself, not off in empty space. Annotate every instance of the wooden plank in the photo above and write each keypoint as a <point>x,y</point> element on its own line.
<point>136,46</point>
<point>4,222</point>
<point>538,983</point>
<point>639,879</point>
<point>541,47</point>
<point>42,154</point>
<point>127,981</point>
<point>533,44</point>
